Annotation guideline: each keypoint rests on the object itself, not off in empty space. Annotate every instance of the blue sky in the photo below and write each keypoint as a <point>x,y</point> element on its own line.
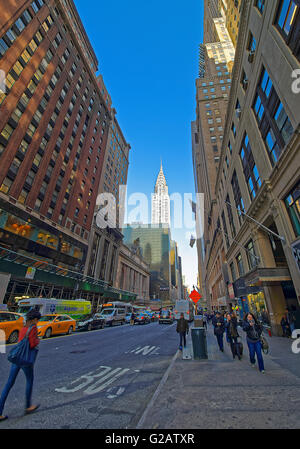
<point>148,56</point>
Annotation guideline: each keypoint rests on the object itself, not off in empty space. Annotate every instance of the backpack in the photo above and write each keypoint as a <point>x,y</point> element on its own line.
<point>22,354</point>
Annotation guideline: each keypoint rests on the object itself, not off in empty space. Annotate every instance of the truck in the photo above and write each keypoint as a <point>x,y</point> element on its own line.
<point>186,307</point>
<point>114,312</point>
<point>74,308</point>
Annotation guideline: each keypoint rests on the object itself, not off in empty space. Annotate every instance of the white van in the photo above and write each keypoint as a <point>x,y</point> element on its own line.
<point>114,313</point>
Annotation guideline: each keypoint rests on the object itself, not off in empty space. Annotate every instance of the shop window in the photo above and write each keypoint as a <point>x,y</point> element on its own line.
<point>19,227</point>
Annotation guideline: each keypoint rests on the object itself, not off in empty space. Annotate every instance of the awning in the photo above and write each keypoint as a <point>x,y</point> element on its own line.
<point>264,277</point>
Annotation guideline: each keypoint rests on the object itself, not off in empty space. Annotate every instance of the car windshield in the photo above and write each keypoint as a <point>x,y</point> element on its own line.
<point>26,309</point>
<point>47,318</point>
<point>165,313</point>
<point>107,312</point>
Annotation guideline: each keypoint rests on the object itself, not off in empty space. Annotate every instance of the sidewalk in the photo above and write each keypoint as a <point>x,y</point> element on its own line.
<point>222,393</point>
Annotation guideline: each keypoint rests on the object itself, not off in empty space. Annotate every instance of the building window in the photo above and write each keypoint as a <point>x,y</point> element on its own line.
<point>240,264</point>
<point>237,196</point>
<point>251,256</point>
<point>250,170</point>
<point>292,202</point>
<point>274,124</point>
<point>230,216</point>
<point>260,4</point>
<point>225,230</point>
<point>287,21</point>
<point>233,273</point>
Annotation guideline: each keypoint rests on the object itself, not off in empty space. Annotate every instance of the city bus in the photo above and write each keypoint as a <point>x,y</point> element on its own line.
<point>74,308</point>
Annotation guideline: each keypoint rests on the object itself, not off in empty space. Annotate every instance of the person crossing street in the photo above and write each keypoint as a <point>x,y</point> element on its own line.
<point>30,330</point>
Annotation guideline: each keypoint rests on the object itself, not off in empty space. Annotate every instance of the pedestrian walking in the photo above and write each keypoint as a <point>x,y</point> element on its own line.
<point>132,318</point>
<point>219,329</point>
<point>291,319</point>
<point>232,334</point>
<point>29,330</point>
<point>182,329</point>
<point>254,330</point>
<point>205,321</point>
<point>285,326</point>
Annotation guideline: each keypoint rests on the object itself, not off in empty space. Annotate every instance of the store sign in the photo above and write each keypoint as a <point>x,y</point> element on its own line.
<point>296,252</point>
<point>30,273</point>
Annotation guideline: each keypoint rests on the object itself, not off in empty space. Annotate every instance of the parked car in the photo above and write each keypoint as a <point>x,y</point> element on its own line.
<point>142,318</point>
<point>150,315</point>
<point>90,322</point>
<point>55,324</point>
<point>166,316</point>
<point>11,324</point>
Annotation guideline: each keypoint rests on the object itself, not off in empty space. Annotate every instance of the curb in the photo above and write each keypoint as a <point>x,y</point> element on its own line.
<point>157,391</point>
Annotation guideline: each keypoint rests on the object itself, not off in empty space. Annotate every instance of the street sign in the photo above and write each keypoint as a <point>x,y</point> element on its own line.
<point>195,296</point>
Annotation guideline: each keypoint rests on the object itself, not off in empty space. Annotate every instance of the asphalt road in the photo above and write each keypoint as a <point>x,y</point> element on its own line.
<point>102,379</point>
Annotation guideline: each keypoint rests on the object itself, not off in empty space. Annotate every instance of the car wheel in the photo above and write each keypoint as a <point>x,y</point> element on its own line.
<point>110,324</point>
<point>89,327</point>
<point>70,331</point>
<point>13,338</point>
<point>48,333</point>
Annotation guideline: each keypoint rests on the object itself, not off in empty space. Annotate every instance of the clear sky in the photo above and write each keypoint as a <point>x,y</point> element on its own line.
<point>148,56</point>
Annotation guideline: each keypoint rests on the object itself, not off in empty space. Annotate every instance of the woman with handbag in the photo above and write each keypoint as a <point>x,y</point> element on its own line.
<point>254,331</point>
<point>29,331</point>
<point>232,335</point>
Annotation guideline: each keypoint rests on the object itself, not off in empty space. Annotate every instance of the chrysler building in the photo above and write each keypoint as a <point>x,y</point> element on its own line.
<point>161,201</point>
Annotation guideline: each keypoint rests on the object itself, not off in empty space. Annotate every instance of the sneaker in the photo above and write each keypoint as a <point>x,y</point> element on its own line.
<point>263,371</point>
<point>252,365</point>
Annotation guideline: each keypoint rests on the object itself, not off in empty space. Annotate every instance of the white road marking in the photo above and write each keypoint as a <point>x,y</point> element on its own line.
<point>95,381</point>
<point>145,350</point>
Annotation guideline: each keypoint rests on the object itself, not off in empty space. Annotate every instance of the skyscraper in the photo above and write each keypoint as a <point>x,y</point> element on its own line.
<point>161,201</point>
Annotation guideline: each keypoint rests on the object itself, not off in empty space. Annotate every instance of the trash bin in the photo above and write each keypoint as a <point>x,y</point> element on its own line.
<point>199,343</point>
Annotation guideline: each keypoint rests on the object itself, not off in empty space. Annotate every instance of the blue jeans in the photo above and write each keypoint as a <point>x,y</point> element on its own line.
<point>14,371</point>
<point>255,348</point>
<point>220,341</point>
<point>182,338</point>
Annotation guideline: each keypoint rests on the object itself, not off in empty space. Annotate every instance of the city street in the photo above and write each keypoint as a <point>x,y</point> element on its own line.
<point>99,379</point>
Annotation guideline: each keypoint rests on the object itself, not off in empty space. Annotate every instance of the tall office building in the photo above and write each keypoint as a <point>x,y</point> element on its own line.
<point>216,60</point>
<point>155,242</point>
<point>54,123</point>
<point>161,201</point>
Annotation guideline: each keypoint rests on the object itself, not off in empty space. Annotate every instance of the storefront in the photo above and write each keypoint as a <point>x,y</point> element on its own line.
<point>257,306</point>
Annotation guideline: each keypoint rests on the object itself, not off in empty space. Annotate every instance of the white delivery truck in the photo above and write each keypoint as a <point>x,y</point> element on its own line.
<point>186,307</point>
<point>115,312</point>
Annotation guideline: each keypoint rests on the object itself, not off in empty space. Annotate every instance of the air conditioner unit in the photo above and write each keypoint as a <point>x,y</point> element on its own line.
<point>251,56</point>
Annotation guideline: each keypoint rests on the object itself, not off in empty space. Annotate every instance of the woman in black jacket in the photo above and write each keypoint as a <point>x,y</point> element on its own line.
<point>254,331</point>
<point>232,334</point>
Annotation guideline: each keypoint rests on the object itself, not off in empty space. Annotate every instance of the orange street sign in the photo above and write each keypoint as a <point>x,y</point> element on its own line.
<point>195,296</point>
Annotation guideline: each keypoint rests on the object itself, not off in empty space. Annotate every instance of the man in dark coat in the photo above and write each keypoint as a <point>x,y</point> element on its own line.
<point>183,329</point>
<point>219,329</point>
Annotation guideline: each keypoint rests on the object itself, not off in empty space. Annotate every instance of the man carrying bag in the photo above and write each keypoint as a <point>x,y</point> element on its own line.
<point>23,356</point>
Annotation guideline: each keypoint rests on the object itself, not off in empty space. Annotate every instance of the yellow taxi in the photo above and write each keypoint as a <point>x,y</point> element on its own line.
<point>54,324</point>
<point>11,323</point>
